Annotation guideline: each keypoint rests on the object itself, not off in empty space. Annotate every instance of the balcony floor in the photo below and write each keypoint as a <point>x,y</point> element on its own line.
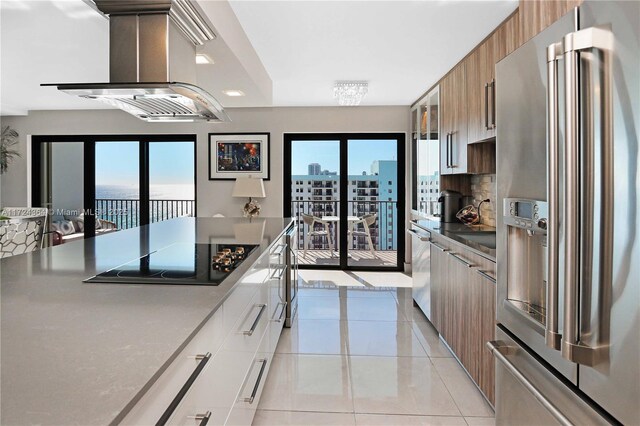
<point>386,258</point>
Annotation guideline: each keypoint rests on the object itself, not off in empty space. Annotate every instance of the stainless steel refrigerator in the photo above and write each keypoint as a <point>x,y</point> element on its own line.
<point>567,343</point>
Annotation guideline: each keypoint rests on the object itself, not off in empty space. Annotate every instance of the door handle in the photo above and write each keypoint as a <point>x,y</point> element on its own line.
<point>552,335</point>
<point>256,385</point>
<point>256,321</point>
<point>486,106</point>
<point>493,103</point>
<point>461,260</point>
<point>452,164</point>
<point>415,234</point>
<point>203,359</point>
<point>284,308</point>
<point>278,272</point>
<point>439,247</point>
<point>203,419</point>
<point>572,347</point>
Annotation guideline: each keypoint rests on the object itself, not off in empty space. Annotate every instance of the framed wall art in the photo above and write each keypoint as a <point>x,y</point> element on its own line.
<point>234,155</point>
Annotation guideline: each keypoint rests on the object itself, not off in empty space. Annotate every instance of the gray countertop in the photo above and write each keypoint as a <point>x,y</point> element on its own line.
<point>78,353</point>
<point>449,230</point>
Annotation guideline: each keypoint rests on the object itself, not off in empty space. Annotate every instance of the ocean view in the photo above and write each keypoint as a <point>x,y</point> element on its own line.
<point>156,192</point>
<point>119,203</point>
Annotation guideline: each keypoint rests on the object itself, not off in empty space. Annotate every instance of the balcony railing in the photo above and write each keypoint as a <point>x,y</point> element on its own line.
<point>386,216</point>
<point>126,213</point>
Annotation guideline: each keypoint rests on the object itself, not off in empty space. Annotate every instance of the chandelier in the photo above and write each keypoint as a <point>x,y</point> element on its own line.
<point>350,92</point>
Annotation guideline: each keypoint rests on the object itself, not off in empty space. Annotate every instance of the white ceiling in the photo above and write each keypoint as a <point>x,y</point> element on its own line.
<point>400,47</point>
<point>281,53</point>
<point>67,41</point>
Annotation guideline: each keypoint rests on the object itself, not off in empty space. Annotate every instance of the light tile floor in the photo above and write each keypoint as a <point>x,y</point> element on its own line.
<point>359,353</point>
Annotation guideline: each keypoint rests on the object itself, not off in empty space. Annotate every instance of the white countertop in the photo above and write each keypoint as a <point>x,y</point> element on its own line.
<point>78,353</point>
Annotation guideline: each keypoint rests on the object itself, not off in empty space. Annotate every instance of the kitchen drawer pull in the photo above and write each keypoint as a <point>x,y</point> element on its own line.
<point>439,247</point>
<point>461,260</point>
<point>254,392</point>
<point>202,418</point>
<point>184,389</point>
<point>280,248</point>
<point>486,106</point>
<point>284,308</point>
<point>279,270</point>
<point>487,276</point>
<point>250,331</point>
<point>420,237</point>
<point>500,350</point>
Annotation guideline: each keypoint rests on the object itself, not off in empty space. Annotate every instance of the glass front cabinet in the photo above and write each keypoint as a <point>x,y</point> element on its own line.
<point>425,139</point>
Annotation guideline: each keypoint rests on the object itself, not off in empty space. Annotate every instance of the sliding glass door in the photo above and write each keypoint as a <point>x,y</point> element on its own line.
<point>347,193</point>
<point>103,184</point>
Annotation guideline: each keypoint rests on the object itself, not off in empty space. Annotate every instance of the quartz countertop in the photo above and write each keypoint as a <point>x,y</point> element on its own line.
<point>450,230</point>
<point>79,353</point>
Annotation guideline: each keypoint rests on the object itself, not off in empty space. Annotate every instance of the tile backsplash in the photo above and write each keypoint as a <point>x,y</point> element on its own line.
<point>483,187</point>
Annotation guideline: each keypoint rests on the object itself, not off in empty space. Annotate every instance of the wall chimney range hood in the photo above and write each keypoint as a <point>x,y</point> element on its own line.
<point>152,68</point>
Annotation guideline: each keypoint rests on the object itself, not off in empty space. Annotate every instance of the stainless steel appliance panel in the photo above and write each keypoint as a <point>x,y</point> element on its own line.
<point>610,288</point>
<point>291,284</point>
<point>530,394</point>
<point>421,268</point>
<point>521,155</point>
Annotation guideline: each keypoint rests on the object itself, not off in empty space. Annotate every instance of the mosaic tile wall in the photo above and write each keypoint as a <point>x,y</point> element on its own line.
<point>483,187</point>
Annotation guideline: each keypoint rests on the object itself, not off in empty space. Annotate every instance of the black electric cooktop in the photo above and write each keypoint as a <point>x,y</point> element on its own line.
<point>177,264</point>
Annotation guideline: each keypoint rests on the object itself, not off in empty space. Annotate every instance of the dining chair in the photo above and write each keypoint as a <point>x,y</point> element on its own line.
<point>311,222</point>
<point>367,222</point>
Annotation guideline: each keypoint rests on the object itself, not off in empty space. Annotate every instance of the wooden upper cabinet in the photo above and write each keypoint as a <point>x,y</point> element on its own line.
<point>479,70</point>
<point>536,15</point>
<point>453,119</point>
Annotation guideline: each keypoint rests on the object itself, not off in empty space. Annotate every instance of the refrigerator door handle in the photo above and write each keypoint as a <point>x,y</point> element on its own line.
<point>500,351</point>
<point>552,336</point>
<point>572,347</point>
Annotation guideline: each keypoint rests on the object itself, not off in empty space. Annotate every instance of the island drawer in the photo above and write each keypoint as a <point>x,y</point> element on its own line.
<point>216,332</point>
<point>248,330</point>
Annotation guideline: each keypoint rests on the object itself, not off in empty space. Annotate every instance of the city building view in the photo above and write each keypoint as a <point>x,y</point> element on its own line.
<point>372,193</point>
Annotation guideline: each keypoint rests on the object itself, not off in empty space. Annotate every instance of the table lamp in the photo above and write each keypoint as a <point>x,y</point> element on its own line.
<point>252,188</point>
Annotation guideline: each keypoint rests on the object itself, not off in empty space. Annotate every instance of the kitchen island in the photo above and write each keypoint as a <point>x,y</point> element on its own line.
<point>86,353</point>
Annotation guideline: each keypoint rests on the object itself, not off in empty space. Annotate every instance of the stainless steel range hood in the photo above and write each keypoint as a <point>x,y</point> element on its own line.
<point>152,69</point>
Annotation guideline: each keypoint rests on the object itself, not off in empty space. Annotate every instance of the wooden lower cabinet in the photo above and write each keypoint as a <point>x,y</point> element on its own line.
<point>463,307</point>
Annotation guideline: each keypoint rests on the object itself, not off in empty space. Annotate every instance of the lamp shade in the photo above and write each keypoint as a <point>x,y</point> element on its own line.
<point>248,187</point>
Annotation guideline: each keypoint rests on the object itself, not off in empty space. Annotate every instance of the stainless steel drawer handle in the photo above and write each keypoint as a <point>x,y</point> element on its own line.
<point>254,392</point>
<point>250,331</point>
<point>499,349</point>
<point>284,309</point>
<point>420,237</point>
<point>487,276</point>
<point>439,247</point>
<point>278,272</point>
<point>280,248</point>
<point>202,418</point>
<point>461,260</point>
<point>203,359</point>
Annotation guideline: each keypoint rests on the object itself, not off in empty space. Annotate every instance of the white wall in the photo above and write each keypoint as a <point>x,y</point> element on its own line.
<point>213,196</point>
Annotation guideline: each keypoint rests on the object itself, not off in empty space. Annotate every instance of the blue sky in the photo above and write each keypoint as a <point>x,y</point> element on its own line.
<point>170,163</point>
<point>327,153</point>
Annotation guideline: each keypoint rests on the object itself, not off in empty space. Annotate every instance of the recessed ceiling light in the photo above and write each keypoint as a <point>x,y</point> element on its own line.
<point>202,58</point>
<point>233,92</point>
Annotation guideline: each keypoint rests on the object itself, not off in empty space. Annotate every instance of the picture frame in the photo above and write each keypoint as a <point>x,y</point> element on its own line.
<point>234,155</point>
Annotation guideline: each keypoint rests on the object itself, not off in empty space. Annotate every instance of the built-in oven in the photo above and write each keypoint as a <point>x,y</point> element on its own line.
<point>291,284</point>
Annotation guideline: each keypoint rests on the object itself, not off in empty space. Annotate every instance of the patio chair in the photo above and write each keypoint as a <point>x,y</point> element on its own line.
<point>311,222</point>
<point>366,221</point>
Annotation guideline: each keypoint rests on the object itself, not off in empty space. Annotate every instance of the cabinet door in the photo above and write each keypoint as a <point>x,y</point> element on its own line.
<point>479,74</point>
<point>439,282</point>
<point>453,141</point>
<point>507,38</point>
<point>535,16</point>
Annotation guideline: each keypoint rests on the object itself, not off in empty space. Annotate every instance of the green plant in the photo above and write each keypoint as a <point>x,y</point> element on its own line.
<point>8,141</point>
